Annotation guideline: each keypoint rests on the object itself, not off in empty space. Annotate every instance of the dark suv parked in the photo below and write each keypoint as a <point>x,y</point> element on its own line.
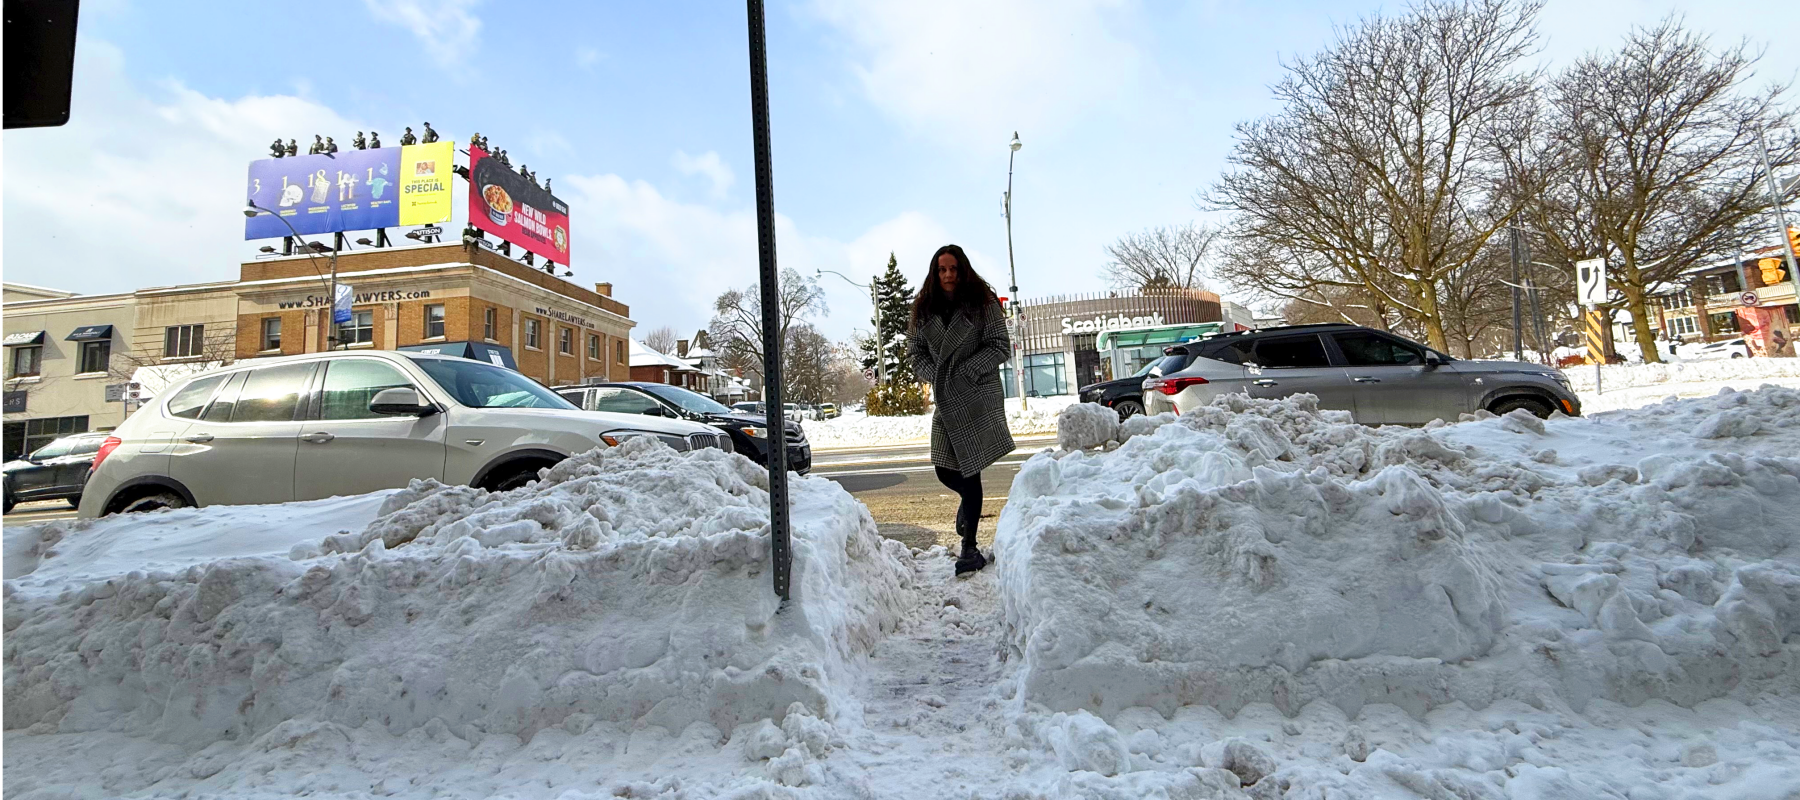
<point>1378,377</point>
<point>56,471</point>
<point>1124,395</point>
<point>748,431</point>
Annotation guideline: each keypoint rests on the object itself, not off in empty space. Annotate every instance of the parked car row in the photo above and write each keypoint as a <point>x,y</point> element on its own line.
<point>1378,377</point>
<point>793,411</point>
<point>340,423</point>
<point>56,471</point>
<point>748,432</point>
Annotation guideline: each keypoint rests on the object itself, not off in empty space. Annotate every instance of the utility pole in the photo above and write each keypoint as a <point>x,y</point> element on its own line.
<point>1517,332</point>
<point>1013,272</point>
<point>1787,249</point>
<point>776,421</point>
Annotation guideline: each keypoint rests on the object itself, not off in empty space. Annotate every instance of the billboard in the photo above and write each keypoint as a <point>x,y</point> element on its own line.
<point>509,205</point>
<point>351,190</point>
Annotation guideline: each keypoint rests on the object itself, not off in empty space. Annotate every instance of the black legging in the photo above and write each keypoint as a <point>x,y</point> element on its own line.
<point>968,512</point>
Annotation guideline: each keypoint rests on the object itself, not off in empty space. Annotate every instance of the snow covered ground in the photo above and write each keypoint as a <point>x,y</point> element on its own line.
<point>1637,385</point>
<point>1038,417</point>
<point>1256,600</point>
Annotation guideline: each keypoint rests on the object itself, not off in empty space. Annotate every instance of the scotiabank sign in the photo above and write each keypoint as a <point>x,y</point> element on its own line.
<point>1105,323</point>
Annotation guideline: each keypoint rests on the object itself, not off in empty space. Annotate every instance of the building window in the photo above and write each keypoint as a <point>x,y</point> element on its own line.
<point>271,333</point>
<point>434,321</point>
<point>594,346</point>
<point>1724,283</point>
<point>531,334</point>
<point>359,330</point>
<point>1724,323</point>
<point>183,341</point>
<point>1045,375</point>
<point>619,350</point>
<point>1793,314</point>
<point>565,341</point>
<point>1681,299</point>
<point>28,435</point>
<point>488,318</point>
<point>1684,326</point>
<point>95,356</point>
<point>27,361</point>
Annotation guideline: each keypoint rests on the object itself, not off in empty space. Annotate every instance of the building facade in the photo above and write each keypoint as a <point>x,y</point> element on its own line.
<point>1056,336</point>
<point>60,358</point>
<point>1750,297</point>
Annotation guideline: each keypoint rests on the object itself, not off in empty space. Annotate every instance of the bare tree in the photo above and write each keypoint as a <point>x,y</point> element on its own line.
<point>1381,167</point>
<point>1650,160</point>
<point>1161,258</point>
<point>736,331</point>
<point>662,340</point>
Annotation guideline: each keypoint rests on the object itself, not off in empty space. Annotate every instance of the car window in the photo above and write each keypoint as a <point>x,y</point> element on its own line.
<point>623,401</point>
<point>86,447</point>
<point>56,449</point>
<point>1371,349</point>
<point>479,385</point>
<point>1173,362</point>
<point>689,400</point>
<point>1287,352</point>
<point>350,384</point>
<point>573,397</point>
<point>271,394</point>
<point>1235,351</point>
<point>191,400</point>
<point>220,410</point>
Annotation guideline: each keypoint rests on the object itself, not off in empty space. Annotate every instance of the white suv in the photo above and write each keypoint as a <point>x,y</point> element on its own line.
<point>305,427</point>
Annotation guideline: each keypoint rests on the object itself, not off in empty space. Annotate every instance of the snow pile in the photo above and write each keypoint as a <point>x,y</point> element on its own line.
<point>628,586</point>
<point>1039,417</point>
<point>1084,425</point>
<point>1627,376</point>
<point>1264,552</point>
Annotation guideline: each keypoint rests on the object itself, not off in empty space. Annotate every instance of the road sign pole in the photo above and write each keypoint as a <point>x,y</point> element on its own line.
<point>776,420</point>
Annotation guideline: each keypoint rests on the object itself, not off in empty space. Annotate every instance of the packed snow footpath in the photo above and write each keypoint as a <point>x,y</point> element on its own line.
<point>1038,417</point>
<point>1636,385</point>
<point>1254,600</point>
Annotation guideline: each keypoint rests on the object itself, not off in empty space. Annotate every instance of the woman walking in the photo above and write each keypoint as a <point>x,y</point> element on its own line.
<point>958,342</point>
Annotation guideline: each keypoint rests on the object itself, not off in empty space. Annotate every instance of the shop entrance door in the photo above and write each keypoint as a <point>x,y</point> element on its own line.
<point>1087,368</point>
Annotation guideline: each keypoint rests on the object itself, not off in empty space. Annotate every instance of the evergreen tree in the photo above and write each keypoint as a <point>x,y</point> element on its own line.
<point>894,300</point>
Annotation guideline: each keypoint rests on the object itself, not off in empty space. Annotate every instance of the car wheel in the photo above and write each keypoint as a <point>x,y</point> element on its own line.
<point>1737,355</point>
<point>1128,409</point>
<point>1538,408</point>
<point>152,501</point>
<point>514,477</point>
<point>8,502</point>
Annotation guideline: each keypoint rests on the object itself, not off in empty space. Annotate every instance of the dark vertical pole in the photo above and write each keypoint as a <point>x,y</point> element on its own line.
<point>771,302</point>
<point>1517,332</point>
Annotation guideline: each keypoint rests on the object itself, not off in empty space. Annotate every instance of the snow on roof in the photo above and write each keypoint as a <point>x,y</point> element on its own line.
<point>643,356</point>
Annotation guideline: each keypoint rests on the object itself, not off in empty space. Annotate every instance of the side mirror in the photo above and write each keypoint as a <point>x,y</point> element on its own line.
<point>1431,360</point>
<point>656,411</point>
<point>401,401</point>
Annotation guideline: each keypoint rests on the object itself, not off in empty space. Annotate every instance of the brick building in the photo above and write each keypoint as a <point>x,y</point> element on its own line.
<point>560,333</point>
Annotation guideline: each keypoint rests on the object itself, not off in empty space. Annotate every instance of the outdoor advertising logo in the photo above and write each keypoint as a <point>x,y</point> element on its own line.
<point>351,190</point>
<point>511,206</point>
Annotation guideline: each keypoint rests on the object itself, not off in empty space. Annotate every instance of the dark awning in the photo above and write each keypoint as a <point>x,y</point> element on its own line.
<point>25,337</point>
<point>90,333</point>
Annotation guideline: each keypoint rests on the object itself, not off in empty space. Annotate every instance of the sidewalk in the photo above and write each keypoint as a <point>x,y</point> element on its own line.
<point>1021,439</point>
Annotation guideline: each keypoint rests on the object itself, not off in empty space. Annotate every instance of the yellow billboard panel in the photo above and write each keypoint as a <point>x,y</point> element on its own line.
<point>425,174</point>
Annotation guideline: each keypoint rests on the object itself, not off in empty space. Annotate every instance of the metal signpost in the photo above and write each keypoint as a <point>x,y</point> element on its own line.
<point>1590,289</point>
<point>771,303</point>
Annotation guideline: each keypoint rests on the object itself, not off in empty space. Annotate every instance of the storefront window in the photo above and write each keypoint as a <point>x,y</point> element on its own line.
<point>1045,375</point>
<point>1724,323</point>
<point>27,435</point>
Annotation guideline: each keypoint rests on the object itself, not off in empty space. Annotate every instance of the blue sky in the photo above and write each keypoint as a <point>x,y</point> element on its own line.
<point>890,123</point>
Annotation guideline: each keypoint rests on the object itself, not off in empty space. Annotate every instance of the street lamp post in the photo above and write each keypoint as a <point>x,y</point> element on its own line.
<point>1013,270</point>
<point>880,340</point>
<point>331,292</point>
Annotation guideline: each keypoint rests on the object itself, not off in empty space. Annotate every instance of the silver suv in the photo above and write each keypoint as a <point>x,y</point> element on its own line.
<point>344,423</point>
<point>1380,378</point>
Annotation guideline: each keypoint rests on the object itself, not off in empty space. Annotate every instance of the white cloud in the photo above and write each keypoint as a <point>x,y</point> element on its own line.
<point>447,29</point>
<point>145,185</point>
<point>710,165</point>
<point>668,260</point>
<point>969,74</point>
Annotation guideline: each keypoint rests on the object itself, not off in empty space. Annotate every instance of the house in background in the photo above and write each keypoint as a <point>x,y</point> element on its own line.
<point>650,366</point>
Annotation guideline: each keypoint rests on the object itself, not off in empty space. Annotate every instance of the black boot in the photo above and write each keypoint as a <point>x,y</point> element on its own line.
<point>972,560</point>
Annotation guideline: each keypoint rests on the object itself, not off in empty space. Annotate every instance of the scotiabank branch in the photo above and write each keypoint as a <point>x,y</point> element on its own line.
<point>559,332</point>
<point>1057,335</point>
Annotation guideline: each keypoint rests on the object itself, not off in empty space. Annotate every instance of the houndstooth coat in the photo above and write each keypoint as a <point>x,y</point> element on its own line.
<point>961,357</point>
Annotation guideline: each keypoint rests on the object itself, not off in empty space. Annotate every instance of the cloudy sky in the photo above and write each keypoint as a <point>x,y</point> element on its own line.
<point>890,124</point>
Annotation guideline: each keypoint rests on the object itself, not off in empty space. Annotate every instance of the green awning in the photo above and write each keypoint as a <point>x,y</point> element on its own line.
<point>1168,334</point>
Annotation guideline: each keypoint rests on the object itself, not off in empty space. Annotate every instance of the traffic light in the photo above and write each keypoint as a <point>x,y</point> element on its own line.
<point>1794,241</point>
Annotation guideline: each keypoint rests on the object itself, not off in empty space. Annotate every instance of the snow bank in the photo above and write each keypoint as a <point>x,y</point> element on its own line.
<point>627,586</point>
<point>1626,376</point>
<point>1038,418</point>
<point>1264,551</point>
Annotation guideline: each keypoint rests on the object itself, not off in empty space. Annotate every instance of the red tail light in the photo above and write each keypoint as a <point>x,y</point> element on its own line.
<point>1171,386</point>
<point>112,443</point>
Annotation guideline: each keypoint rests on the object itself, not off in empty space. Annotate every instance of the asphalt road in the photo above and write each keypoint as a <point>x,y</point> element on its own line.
<point>41,511</point>
<point>903,494</point>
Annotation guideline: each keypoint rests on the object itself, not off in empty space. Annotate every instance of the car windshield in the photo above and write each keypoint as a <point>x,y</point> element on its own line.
<point>56,449</point>
<point>689,401</point>
<point>479,385</point>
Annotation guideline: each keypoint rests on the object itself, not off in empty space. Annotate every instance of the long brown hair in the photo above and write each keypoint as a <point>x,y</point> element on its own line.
<point>971,291</point>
